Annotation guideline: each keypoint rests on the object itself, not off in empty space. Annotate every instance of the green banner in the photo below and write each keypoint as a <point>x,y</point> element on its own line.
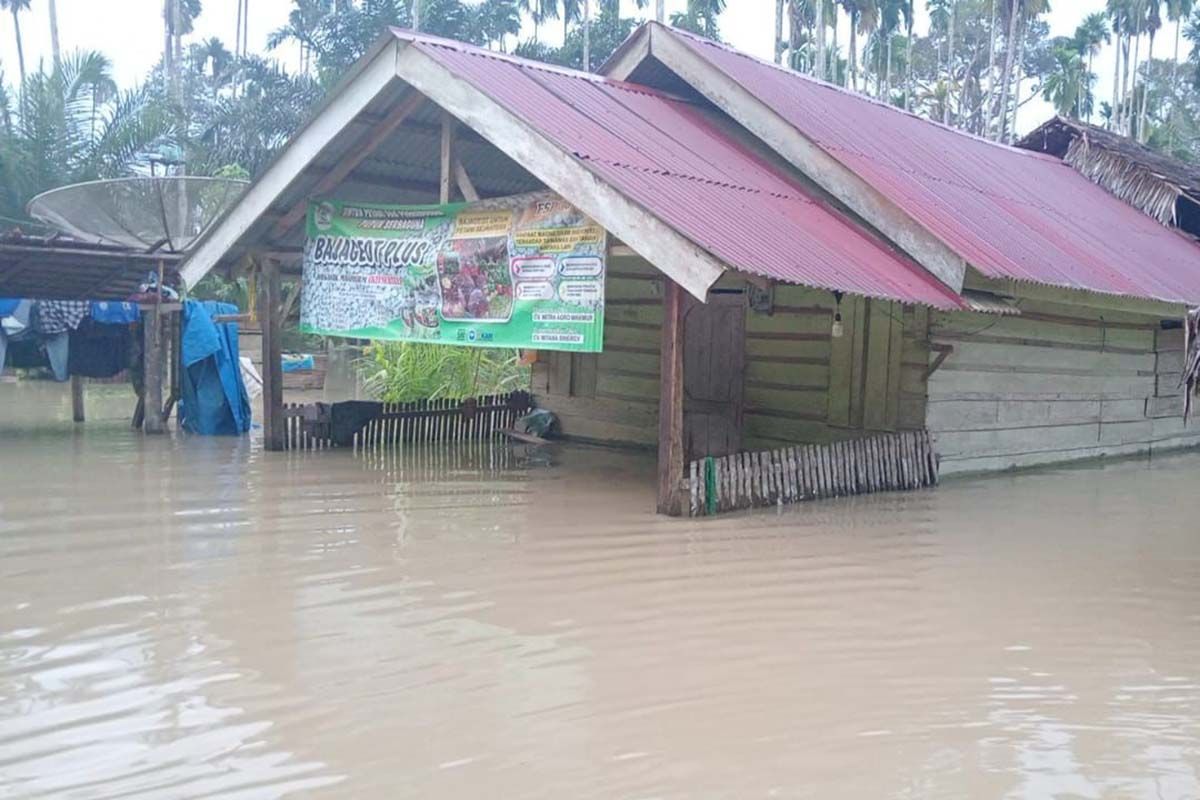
<point>525,271</point>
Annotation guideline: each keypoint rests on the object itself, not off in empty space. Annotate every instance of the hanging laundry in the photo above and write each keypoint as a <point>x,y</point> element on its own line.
<point>112,312</point>
<point>59,316</point>
<point>58,349</point>
<point>99,350</point>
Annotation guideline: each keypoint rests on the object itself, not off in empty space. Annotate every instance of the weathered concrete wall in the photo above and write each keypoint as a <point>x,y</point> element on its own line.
<point>1060,382</point>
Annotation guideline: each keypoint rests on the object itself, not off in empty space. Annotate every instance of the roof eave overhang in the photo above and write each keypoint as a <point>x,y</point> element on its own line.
<point>1069,295</point>
<point>681,259</point>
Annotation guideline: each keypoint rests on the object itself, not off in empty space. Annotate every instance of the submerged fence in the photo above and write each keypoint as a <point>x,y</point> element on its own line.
<point>372,425</point>
<point>790,475</point>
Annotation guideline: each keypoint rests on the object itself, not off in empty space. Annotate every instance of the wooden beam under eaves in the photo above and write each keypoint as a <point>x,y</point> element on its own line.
<point>357,153</point>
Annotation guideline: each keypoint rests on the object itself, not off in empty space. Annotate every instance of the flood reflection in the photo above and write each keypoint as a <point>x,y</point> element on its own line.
<point>192,617</point>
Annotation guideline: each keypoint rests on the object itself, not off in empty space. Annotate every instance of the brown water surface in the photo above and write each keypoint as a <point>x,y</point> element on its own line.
<point>186,618</point>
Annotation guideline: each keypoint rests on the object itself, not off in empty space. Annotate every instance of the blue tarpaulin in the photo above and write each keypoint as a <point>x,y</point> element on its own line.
<point>214,399</point>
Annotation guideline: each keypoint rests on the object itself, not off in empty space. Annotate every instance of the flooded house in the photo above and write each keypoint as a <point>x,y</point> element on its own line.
<point>788,264</point>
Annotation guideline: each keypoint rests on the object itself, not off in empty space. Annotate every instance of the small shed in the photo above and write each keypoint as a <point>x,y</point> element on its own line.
<point>791,266</point>
<point>56,267</point>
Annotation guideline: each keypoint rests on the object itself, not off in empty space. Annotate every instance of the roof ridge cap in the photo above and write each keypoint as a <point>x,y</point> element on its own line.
<point>528,63</point>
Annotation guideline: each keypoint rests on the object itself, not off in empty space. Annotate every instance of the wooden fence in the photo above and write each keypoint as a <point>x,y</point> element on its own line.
<point>312,426</point>
<point>883,463</point>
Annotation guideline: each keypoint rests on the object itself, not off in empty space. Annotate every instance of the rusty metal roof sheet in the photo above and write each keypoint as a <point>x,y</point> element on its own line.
<point>1009,213</point>
<point>666,155</point>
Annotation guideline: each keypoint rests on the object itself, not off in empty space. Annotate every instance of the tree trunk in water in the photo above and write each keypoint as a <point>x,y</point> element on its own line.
<point>1006,78</point>
<point>55,50</point>
<point>779,31</point>
<point>20,45</point>
<point>587,35</point>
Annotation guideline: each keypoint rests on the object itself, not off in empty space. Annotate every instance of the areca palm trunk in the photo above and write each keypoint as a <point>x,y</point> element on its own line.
<point>908,57</point>
<point>852,71</point>
<point>887,83</point>
<point>819,63</point>
<point>20,43</point>
<point>990,97</point>
<point>1146,90</point>
<point>1019,76</point>
<point>779,31</point>
<point>1006,78</point>
<point>660,10</point>
<point>55,51</point>
<point>1114,115</point>
<point>949,66</point>
<point>587,35</point>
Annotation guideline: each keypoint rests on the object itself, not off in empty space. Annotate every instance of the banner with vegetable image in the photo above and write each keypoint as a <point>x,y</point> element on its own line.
<point>524,271</point>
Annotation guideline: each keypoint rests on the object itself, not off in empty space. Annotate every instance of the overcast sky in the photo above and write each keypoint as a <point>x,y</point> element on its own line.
<point>130,33</point>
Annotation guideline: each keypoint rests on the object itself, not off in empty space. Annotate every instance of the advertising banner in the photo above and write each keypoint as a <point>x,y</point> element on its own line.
<point>525,271</point>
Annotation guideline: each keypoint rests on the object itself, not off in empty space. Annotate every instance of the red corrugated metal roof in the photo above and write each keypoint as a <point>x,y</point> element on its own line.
<point>1009,213</point>
<point>666,156</point>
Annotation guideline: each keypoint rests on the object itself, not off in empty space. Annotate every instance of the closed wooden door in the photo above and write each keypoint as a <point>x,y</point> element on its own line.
<point>714,357</point>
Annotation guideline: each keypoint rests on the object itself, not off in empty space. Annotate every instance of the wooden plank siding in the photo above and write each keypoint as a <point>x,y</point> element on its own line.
<point>1057,383</point>
<point>802,386</point>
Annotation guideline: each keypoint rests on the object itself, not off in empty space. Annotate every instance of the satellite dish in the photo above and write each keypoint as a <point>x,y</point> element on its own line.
<point>150,214</point>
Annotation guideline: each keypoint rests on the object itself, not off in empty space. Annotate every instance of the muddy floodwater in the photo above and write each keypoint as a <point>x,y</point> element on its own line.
<point>187,618</point>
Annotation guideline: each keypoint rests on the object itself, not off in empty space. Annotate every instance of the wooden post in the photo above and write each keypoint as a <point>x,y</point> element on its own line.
<point>272,366</point>
<point>269,297</point>
<point>670,403</point>
<point>77,398</point>
<point>447,168</point>
<point>152,363</point>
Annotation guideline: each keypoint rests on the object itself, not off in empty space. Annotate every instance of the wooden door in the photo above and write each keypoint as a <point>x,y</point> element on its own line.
<point>714,357</point>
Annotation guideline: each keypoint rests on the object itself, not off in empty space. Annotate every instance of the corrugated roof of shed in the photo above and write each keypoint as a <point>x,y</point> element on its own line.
<point>665,155</point>
<point>1009,213</point>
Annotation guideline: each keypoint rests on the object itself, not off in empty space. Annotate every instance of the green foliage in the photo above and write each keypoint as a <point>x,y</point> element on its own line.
<point>399,372</point>
<point>72,124</point>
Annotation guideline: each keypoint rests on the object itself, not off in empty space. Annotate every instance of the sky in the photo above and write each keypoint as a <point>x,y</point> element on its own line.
<point>130,32</point>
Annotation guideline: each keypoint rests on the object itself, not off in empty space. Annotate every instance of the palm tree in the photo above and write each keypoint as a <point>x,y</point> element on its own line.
<point>572,11</point>
<point>1178,11</point>
<point>16,7</point>
<point>1091,35</point>
<point>72,125</point>
<point>303,22</point>
<point>1068,86</point>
